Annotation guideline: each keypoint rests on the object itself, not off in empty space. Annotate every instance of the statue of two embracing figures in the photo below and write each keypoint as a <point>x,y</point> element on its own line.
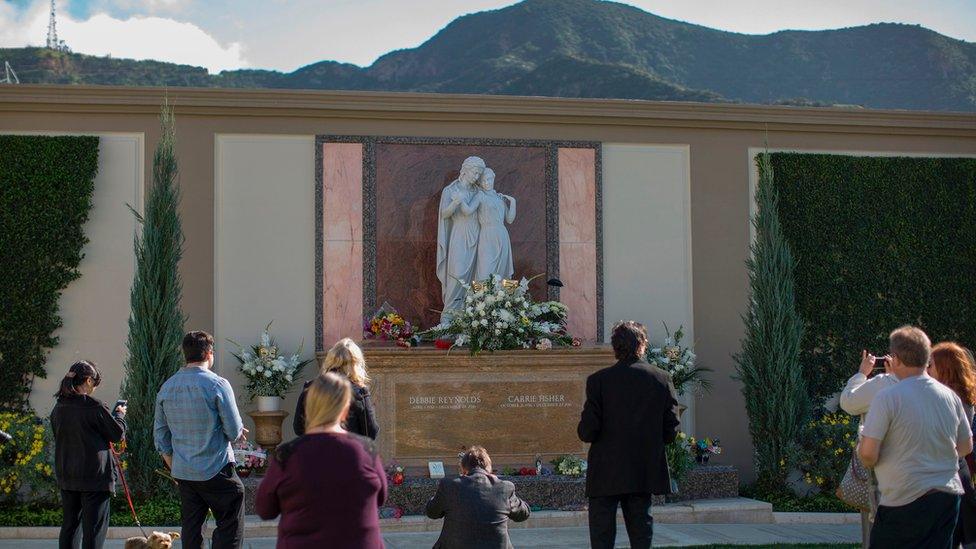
<point>472,240</point>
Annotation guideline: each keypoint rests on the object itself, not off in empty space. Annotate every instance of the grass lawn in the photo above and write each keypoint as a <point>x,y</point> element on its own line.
<point>782,546</point>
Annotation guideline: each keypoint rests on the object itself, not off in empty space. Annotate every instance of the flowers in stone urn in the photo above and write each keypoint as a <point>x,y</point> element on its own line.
<point>679,361</point>
<point>269,371</point>
<point>500,314</point>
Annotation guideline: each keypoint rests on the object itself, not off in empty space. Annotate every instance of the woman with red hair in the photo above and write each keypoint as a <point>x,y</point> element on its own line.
<point>952,365</point>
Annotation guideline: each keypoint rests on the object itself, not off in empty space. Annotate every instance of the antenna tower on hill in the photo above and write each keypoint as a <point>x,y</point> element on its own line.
<point>11,76</point>
<point>52,33</point>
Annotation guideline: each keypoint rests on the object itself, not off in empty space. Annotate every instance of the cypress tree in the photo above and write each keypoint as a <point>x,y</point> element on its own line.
<point>768,365</point>
<point>155,320</point>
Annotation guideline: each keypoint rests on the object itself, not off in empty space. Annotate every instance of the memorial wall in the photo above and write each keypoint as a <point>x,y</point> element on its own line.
<point>674,221</point>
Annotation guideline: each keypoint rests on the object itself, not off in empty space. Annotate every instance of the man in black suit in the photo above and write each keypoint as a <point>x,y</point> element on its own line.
<point>476,506</point>
<point>629,416</point>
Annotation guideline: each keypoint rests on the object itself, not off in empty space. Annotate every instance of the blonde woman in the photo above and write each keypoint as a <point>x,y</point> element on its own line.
<point>346,359</point>
<point>327,485</point>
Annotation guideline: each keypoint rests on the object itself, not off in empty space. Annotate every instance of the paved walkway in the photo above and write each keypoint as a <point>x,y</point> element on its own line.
<point>665,535</point>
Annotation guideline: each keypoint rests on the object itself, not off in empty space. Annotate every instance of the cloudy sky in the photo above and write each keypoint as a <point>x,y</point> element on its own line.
<point>287,34</point>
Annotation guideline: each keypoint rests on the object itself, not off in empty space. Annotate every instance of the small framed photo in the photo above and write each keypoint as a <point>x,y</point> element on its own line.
<point>436,469</point>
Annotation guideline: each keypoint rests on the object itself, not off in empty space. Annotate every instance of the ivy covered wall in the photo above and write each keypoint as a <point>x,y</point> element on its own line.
<point>46,186</point>
<point>879,242</point>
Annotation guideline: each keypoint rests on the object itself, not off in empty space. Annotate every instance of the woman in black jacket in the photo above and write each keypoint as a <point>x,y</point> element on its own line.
<point>346,358</point>
<point>83,428</point>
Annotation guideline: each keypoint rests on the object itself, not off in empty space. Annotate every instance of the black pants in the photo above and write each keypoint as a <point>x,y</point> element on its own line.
<point>90,510</point>
<point>966,525</point>
<point>637,518</point>
<point>928,522</point>
<point>224,496</point>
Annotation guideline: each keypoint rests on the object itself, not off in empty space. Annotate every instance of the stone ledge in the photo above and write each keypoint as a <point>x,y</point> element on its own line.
<point>723,511</point>
<point>557,492</point>
<point>817,518</point>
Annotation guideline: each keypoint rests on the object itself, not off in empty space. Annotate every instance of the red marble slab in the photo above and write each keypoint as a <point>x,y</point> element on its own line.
<point>342,230</point>
<point>409,180</point>
<point>577,239</point>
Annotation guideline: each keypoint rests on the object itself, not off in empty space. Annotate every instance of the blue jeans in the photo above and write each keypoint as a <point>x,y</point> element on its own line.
<point>928,522</point>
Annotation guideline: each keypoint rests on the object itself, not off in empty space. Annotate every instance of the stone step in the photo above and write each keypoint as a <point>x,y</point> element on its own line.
<point>715,511</point>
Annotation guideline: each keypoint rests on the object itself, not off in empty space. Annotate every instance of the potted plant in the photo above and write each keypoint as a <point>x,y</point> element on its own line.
<point>269,372</point>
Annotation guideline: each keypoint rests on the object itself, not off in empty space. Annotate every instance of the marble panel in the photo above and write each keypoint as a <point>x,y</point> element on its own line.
<point>342,288</point>
<point>409,180</point>
<point>577,195</point>
<point>342,191</point>
<point>577,240</point>
<point>577,270</point>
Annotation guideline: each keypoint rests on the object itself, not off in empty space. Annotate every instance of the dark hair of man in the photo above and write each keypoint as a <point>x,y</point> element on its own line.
<point>911,346</point>
<point>196,345</point>
<point>475,456</point>
<point>78,373</point>
<point>627,338</point>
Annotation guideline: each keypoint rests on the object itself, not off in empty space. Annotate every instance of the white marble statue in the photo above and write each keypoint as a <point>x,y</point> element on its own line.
<point>494,211</point>
<point>457,236</point>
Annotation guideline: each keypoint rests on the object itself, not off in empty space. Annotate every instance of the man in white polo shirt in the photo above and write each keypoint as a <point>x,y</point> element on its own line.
<point>914,435</point>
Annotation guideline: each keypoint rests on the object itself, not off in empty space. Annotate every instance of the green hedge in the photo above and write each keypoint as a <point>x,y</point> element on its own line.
<point>46,186</point>
<point>879,242</point>
<point>161,511</point>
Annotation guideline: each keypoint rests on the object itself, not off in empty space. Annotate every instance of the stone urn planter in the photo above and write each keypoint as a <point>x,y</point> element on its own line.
<point>268,427</point>
<point>268,403</point>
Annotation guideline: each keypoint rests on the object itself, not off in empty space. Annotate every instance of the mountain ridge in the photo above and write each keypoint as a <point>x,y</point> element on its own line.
<point>592,48</point>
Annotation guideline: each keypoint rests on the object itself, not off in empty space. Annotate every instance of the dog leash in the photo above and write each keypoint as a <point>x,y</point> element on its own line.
<point>125,486</point>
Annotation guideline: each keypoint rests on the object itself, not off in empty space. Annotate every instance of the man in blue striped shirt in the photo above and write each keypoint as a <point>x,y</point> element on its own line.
<point>196,422</point>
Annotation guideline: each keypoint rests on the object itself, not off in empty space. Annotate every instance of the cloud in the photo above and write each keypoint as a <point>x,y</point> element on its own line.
<point>158,38</point>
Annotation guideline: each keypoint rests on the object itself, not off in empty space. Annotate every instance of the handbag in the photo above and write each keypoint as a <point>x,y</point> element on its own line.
<point>855,487</point>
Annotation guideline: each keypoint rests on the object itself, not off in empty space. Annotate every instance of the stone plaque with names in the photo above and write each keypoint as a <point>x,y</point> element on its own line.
<point>517,404</point>
<point>510,418</point>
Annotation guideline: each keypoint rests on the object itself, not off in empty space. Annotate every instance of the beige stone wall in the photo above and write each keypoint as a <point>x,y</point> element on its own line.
<point>717,137</point>
<point>647,241</point>
<point>95,308</point>
<point>264,266</point>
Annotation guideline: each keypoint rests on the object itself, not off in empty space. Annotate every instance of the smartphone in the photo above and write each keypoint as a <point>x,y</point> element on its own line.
<point>879,366</point>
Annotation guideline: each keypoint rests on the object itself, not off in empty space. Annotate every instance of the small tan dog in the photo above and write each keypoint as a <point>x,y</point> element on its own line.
<point>156,540</point>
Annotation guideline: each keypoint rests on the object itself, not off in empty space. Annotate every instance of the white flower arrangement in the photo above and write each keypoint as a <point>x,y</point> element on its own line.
<point>269,372</point>
<point>679,361</point>
<point>500,314</point>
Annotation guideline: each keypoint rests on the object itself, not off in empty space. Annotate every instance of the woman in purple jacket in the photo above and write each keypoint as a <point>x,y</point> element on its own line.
<point>328,484</point>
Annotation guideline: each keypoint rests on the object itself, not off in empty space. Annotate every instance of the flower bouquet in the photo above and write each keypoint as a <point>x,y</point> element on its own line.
<point>395,474</point>
<point>500,314</point>
<point>704,448</point>
<point>679,361</point>
<point>249,459</point>
<point>387,324</point>
<point>269,372</point>
<point>569,465</point>
<point>680,459</point>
